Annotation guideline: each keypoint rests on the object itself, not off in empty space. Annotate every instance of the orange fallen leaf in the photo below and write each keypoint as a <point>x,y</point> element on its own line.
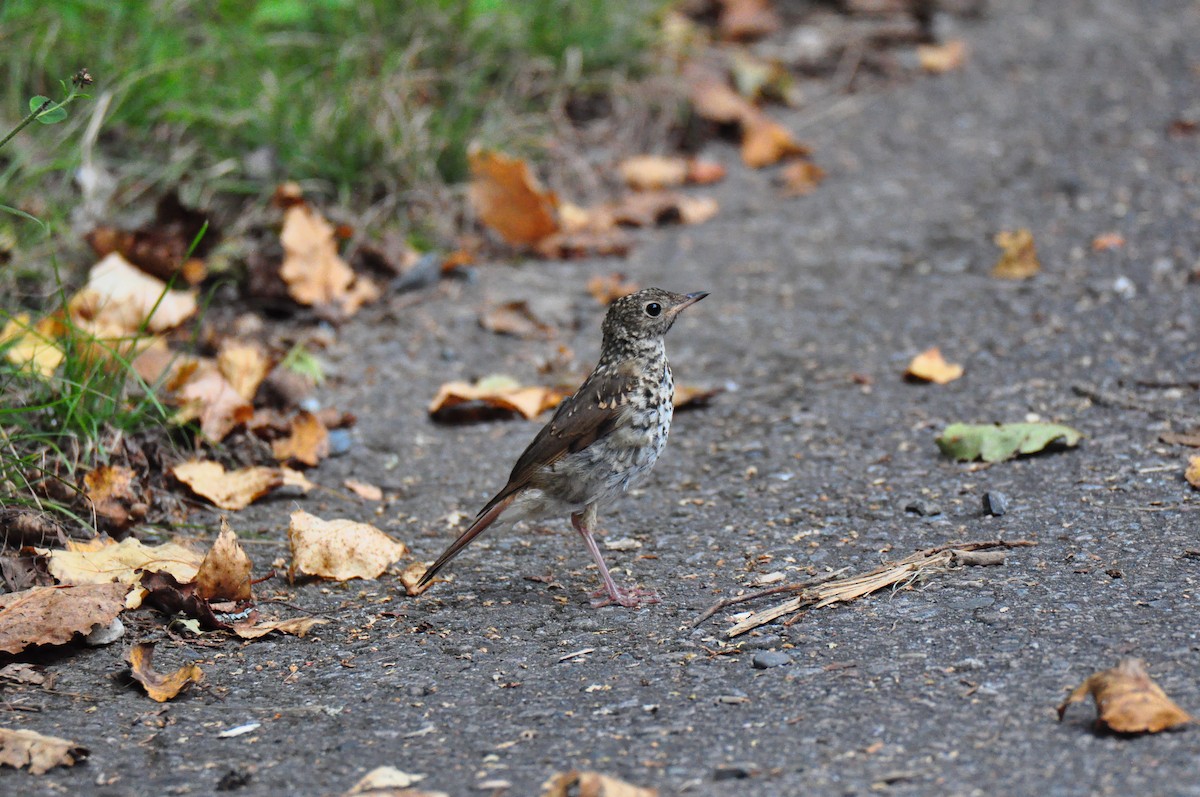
<point>1127,701</point>
<point>592,784</point>
<point>497,392</point>
<point>118,299</point>
<point>937,59</point>
<point>1108,240</point>
<point>224,575</point>
<point>1192,474</point>
<point>930,366</point>
<point>307,444</point>
<point>110,489</point>
<point>688,396</point>
<point>22,749</point>
<point>801,177</point>
<point>606,288</point>
<point>1019,259</point>
<point>161,687</point>
<point>244,366</point>
<point>54,615</point>
<point>515,318</point>
<point>363,490</point>
<point>312,268</point>
<point>340,549</point>
<point>509,199</point>
<point>765,141</point>
<point>230,490</point>
<point>24,343</point>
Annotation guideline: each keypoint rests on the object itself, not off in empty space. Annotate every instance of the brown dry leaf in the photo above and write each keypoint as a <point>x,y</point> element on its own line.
<point>1107,241</point>
<point>296,626</point>
<point>159,248</point>
<point>21,749</point>
<point>363,490</point>
<point>938,59</point>
<point>118,298</point>
<point>160,686</point>
<point>746,20</point>
<point>766,142</point>
<point>120,562</point>
<point>312,269</point>
<point>652,172</point>
<point>592,784</point>
<point>930,366</point>
<point>801,178</point>
<point>1192,474</point>
<point>224,575</point>
<point>701,172</point>
<point>651,208</point>
<point>411,579</point>
<point>340,549</point>
<point>515,318</point>
<point>607,288</point>
<point>232,490</point>
<point>297,479</point>
<point>688,396</point>
<point>110,489</point>
<point>53,615</point>
<point>1019,259</point>
<point>1127,701</point>
<point>509,199</point>
<point>205,394</point>
<point>31,344</point>
<point>612,242</point>
<point>244,366</point>
<point>713,98</point>
<point>155,362</point>
<point>307,444</point>
<point>497,392</point>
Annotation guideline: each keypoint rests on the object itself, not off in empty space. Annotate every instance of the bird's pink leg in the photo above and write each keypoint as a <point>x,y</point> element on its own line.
<point>630,598</point>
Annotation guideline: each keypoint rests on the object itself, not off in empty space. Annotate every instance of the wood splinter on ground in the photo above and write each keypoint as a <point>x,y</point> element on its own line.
<point>827,591</point>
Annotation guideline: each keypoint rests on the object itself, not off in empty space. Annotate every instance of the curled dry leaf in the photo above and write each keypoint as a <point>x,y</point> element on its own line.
<point>29,344</point>
<point>1192,474</point>
<point>21,749</point>
<point>456,400</point>
<point>307,444</point>
<point>205,394</point>
<point>224,575</point>
<point>509,199</point>
<point>801,178</point>
<point>1019,259</point>
<point>1127,701</point>
<point>296,626</point>
<point>118,299</point>
<point>592,784</point>
<point>411,577</point>
<point>340,549</point>
<point>244,366</point>
<point>766,142</point>
<point>930,366</point>
<point>161,687</point>
<point>363,490</point>
<point>53,615</point>
<point>515,318</point>
<point>607,288</point>
<point>230,490</point>
<point>110,489</point>
<point>121,562</point>
<point>937,59</point>
<point>312,269</point>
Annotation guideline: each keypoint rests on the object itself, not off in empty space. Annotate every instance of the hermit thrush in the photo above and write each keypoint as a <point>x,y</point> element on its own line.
<point>601,439</point>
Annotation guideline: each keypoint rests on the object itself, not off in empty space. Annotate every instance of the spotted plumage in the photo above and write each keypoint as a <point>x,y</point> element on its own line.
<point>602,439</point>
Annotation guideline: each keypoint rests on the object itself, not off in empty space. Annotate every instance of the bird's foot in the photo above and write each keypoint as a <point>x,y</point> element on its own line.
<point>630,598</point>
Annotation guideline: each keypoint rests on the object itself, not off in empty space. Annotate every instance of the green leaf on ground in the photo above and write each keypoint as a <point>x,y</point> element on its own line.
<point>1000,441</point>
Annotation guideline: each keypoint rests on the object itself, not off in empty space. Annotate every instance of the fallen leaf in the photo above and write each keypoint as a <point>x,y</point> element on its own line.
<point>161,687</point>
<point>29,344</point>
<point>340,549</point>
<point>1107,241</point>
<point>1001,441</point>
<point>607,288</point>
<point>312,269</point>
<point>938,59</point>
<point>232,490</point>
<point>110,489</point>
<point>1192,474</point>
<point>296,626</point>
<point>591,784</point>
<point>651,172</point>
<point>1127,701</point>
<point>171,597</point>
<point>746,20</point>
<point>206,395</point>
<point>653,208</point>
<point>224,575</point>
<point>766,142</point>
<point>689,396</point>
<point>118,299</point>
<point>509,199</point>
<point>801,178</point>
<point>21,749</point>
<point>515,318</point>
<point>244,366</point>
<point>160,247</point>
<point>53,615</point>
<point>1190,438</point>
<point>390,782</point>
<point>496,392</point>
<point>121,562</point>
<point>702,172</point>
<point>1019,259</point>
<point>297,479</point>
<point>363,490</point>
<point>929,366</point>
<point>411,577</point>
<point>307,444</point>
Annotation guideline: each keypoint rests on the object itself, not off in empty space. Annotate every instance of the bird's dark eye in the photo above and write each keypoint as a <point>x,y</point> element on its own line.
<point>654,309</point>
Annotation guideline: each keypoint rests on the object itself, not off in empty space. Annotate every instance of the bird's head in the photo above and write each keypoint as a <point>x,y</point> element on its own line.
<point>646,314</point>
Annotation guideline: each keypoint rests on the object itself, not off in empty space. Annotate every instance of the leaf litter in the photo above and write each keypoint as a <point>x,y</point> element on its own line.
<point>1128,701</point>
<point>1000,441</point>
<point>160,686</point>
<point>25,749</point>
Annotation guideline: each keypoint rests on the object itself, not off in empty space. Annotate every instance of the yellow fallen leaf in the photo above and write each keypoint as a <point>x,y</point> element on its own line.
<point>930,366</point>
<point>1127,701</point>
<point>340,549</point>
<point>1192,474</point>
<point>509,199</point>
<point>224,575</point>
<point>648,172</point>
<point>232,490</point>
<point>297,479</point>
<point>307,444</point>
<point>497,391</point>
<point>118,298</point>
<point>1019,259</point>
<point>161,687</point>
<point>21,749</point>
<point>940,58</point>
<point>120,562</point>
<point>312,268</point>
<point>244,366</point>
<point>110,489</point>
<point>29,344</point>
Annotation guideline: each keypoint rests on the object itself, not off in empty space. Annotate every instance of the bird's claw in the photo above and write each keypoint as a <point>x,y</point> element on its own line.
<point>630,598</point>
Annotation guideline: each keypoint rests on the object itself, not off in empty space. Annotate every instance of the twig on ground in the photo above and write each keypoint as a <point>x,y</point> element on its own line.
<point>749,596</point>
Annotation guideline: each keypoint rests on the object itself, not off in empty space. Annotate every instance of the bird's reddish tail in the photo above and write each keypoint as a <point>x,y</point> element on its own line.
<point>486,518</point>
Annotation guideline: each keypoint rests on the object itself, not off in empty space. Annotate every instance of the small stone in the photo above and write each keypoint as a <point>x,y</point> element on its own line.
<point>995,503</point>
<point>770,658</point>
<point>340,442</point>
<point>105,634</point>
<point>923,508</point>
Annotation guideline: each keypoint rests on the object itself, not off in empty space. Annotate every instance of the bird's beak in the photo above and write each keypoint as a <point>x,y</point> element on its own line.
<point>692,298</point>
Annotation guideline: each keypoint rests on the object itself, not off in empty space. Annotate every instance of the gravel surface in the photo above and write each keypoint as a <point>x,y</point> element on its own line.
<point>1059,122</point>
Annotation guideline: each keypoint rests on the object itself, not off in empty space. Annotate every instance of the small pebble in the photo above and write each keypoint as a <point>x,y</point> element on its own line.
<point>770,658</point>
<point>340,442</point>
<point>923,508</point>
<point>105,634</point>
<point>995,504</point>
